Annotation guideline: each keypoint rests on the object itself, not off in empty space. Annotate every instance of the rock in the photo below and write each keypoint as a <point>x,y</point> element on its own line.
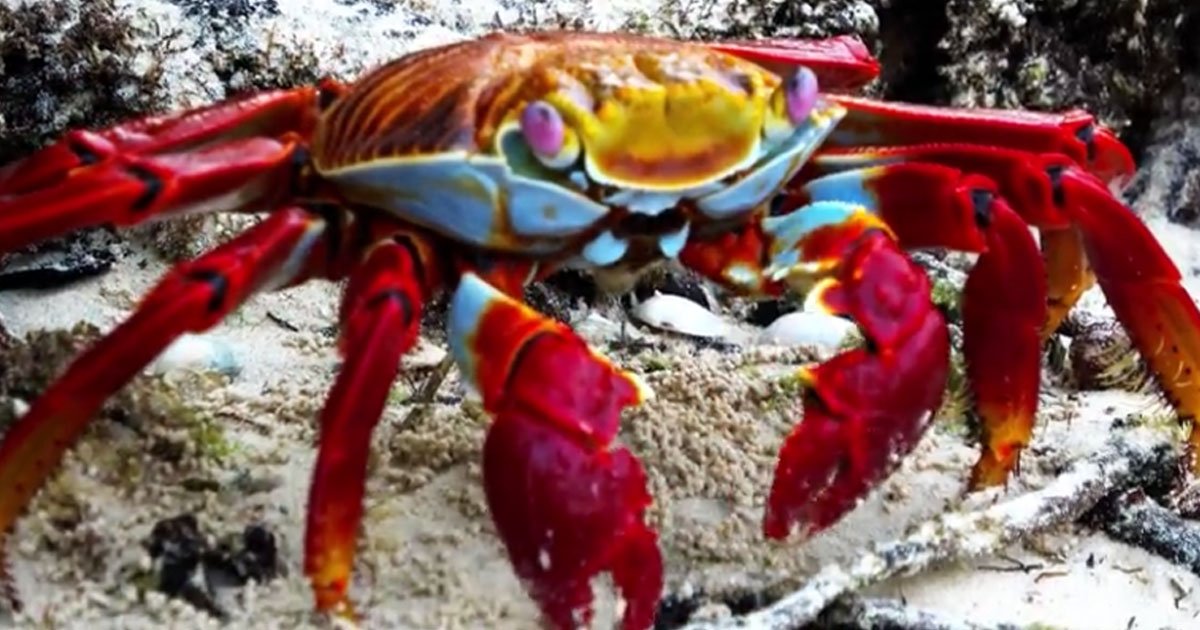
<point>1102,357</point>
<point>804,328</point>
<point>1168,184</point>
<point>203,353</point>
<point>678,314</point>
<point>1112,57</point>
<point>191,568</point>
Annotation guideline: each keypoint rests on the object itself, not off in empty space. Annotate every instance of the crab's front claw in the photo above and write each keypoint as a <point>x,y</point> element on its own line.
<point>867,408</point>
<point>567,505</point>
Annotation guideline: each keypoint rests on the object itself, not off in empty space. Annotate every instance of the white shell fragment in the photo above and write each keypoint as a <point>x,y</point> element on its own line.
<point>806,328</point>
<point>199,353</point>
<point>678,314</point>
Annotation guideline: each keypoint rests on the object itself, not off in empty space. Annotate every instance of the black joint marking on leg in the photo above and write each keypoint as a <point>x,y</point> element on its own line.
<point>86,155</point>
<point>1055,173</point>
<point>981,202</point>
<point>217,281</point>
<point>1087,135</point>
<point>325,98</point>
<point>153,184</point>
<point>300,157</point>
<point>401,298</point>
<point>300,163</point>
<point>335,229</point>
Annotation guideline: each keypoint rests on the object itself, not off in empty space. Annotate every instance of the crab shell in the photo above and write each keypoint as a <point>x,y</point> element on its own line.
<point>647,127</point>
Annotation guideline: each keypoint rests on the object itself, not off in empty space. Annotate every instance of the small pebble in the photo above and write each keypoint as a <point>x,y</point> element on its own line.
<point>681,315</point>
<point>198,353</point>
<point>805,328</point>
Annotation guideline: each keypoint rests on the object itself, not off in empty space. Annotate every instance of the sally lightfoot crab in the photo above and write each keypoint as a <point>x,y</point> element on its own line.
<point>479,167</point>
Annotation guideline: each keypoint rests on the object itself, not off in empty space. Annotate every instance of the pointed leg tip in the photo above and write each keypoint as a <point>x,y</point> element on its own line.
<point>330,586</point>
<point>777,525</point>
<point>990,472</point>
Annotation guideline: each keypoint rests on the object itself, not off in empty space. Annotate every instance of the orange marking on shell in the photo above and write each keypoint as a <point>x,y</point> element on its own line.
<point>672,167</point>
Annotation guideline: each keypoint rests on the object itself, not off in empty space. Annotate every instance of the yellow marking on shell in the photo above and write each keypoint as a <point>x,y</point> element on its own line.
<point>663,121</point>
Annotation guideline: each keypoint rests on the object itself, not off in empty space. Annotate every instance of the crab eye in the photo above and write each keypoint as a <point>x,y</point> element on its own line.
<point>548,136</point>
<point>800,95</point>
<point>543,128</point>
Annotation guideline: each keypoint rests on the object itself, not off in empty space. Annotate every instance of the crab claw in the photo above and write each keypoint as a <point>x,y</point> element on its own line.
<point>567,505</point>
<point>864,409</point>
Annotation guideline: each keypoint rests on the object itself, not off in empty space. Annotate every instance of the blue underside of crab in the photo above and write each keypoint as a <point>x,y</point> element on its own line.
<point>512,201</point>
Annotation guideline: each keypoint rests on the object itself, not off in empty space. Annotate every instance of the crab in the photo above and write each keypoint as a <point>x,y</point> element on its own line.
<point>473,169</point>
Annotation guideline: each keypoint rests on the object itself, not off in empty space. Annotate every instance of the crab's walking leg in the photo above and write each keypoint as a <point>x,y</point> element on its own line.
<point>1068,274</point>
<point>567,503</point>
<point>380,315</point>
<point>1143,287</point>
<point>864,409</point>
<point>1003,311</point>
<point>237,155</point>
<point>129,190</point>
<point>265,114</point>
<point>193,297</point>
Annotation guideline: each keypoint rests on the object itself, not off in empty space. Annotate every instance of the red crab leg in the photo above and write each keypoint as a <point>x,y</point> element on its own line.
<point>567,503</point>
<point>381,316</point>
<point>985,141</point>
<point>193,297</point>
<point>1021,181</point>
<point>235,155</point>
<point>1004,301</point>
<point>126,190</point>
<point>1068,275</point>
<point>841,63</point>
<point>1142,286</point>
<point>864,410</point>
<point>269,114</point>
<point>1003,311</point>
<point>1074,133</point>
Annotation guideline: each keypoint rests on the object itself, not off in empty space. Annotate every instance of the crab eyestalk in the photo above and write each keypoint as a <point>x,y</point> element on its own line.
<point>792,103</point>
<point>555,145</point>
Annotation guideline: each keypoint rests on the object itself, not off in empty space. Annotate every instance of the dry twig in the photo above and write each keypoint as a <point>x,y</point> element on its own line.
<point>865,613</point>
<point>1135,519</point>
<point>959,536</point>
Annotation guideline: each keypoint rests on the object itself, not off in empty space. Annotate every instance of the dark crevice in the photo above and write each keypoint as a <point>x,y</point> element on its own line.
<point>910,31</point>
